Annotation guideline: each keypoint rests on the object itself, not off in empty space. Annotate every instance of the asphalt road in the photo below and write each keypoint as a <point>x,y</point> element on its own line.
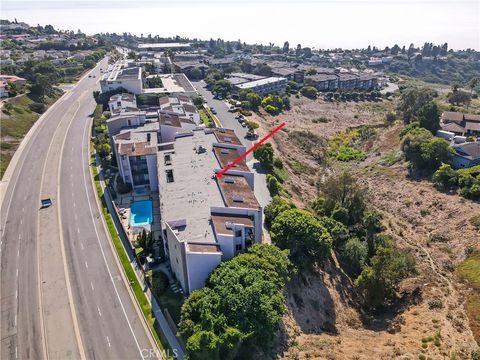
<point>228,121</point>
<point>62,292</point>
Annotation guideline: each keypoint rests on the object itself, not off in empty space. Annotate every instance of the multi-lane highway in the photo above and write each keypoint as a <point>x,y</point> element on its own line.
<point>62,292</point>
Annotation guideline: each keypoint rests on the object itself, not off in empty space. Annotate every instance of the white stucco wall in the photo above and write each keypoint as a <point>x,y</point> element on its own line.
<point>199,266</point>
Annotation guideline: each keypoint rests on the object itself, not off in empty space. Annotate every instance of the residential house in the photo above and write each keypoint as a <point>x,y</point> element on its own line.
<point>460,123</point>
<point>466,155</point>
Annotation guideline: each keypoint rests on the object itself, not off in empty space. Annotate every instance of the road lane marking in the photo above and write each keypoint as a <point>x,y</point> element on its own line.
<point>85,170</point>
<point>16,294</point>
<point>18,252</point>
<point>23,210</point>
<point>86,264</point>
<point>81,245</point>
<point>108,342</point>
<point>76,327</point>
<point>91,285</point>
<point>17,272</point>
<point>78,230</point>
<point>74,205</point>
<point>99,312</point>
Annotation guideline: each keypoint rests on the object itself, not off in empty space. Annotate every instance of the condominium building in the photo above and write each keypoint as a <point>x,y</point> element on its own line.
<point>205,219</point>
<point>264,86</point>
<point>119,75</point>
<point>122,101</point>
<point>136,153</point>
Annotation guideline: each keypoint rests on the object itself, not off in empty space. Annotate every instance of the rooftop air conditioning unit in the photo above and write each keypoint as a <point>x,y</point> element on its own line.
<point>229,180</point>
<point>237,198</point>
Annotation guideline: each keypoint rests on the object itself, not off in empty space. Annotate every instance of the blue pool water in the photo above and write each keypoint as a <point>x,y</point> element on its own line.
<point>141,213</point>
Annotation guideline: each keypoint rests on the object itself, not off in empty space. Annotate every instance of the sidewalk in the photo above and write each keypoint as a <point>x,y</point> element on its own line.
<point>157,311</point>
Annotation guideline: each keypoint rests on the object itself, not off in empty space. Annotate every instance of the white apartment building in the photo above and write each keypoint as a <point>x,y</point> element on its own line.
<point>181,105</point>
<point>136,153</point>
<point>122,101</point>
<point>119,75</point>
<point>205,219</point>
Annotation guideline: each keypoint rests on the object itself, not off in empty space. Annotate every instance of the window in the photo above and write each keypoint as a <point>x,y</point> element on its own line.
<point>238,247</point>
<point>238,233</point>
<point>169,174</point>
<point>168,159</point>
<point>119,103</point>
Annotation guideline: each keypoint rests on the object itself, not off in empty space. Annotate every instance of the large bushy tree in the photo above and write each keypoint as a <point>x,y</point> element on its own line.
<point>300,232</point>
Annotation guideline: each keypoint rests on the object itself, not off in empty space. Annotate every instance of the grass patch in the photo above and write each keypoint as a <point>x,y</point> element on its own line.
<point>204,119</point>
<point>391,158</point>
<point>475,221</point>
<point>469,270</point>
<point>124,260</point>
<point>299,167</point>
<point>166,297</point>
<point>280,173</point>
<point>16,120</point>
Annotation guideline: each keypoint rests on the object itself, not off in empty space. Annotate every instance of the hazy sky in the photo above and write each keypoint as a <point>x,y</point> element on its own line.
<point>324,24</point>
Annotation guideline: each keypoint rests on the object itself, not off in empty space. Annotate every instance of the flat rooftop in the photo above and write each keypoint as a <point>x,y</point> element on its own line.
<point>173,83</point>
<point>227,156</point>
<point>227,136</point>
<point>221,221</point>
<point>193,190</point>
<point>237,193</point>
<point>188,199</point>
<point>266,81</point>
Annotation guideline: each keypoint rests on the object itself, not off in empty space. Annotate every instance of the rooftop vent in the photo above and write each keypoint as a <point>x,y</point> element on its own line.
<point>237,198</point>
<point>222,130</point>
<point>224,151</point>
<point>229,180</point>
<point>228,139</point>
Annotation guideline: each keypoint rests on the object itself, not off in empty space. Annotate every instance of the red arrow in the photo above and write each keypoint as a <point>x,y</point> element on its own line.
<point>221,172</point>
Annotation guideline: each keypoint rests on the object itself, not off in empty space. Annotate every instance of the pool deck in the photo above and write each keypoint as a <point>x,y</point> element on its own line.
<point>123,203</point>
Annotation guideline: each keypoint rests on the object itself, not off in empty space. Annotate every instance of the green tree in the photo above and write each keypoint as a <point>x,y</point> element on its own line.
<point>372,222</point>
<point>275,207</point>
<point>436,151</point>
<point>197,101</point>
<point>222,87</point>
<point>355,254</point>
<point>145,241</point>
<point>309,92</point>
<point>264,154</point>
<point>379,282</point>
<point>273,185</point>
<point>429,117</point>
<point>445,177</point>
<point>300,232</point>
<point>242,302</point>
<point>251,125</point>
<point>343,190</point>
<point>412,99</point>
<point>459,97</point>
<point>411,145</point>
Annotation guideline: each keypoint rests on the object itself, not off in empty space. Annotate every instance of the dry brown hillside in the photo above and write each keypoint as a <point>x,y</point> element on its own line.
<point>323,321</point>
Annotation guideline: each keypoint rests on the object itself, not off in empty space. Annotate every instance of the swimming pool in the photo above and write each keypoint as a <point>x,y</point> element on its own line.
<point>141,213</point>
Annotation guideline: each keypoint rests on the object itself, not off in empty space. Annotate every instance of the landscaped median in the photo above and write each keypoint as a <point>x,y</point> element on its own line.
<point>127,267</point>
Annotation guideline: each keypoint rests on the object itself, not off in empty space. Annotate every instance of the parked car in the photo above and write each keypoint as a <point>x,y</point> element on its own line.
<point>244,124</point>
<point>231,109</point>
<point>213,110</point>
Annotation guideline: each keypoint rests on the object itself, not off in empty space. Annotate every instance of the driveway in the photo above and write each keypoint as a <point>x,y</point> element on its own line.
<point>229,122</point>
